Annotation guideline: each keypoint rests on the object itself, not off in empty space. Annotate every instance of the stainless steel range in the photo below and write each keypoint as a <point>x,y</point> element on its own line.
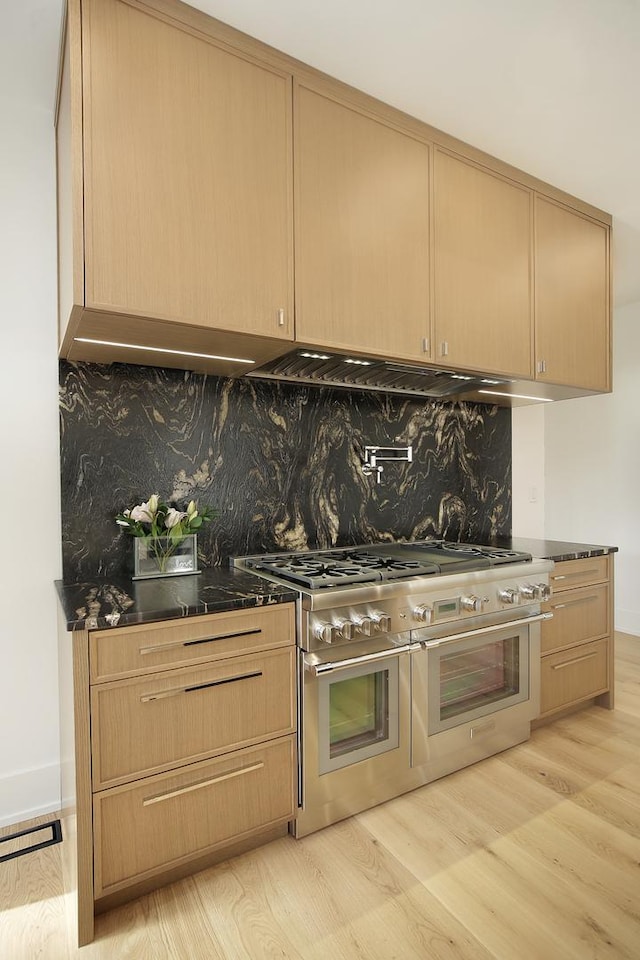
<point>416,659</point>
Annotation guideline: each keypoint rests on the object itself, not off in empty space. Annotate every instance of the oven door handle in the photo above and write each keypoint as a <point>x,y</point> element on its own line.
<point>331,666</point>
<point>427,644</point>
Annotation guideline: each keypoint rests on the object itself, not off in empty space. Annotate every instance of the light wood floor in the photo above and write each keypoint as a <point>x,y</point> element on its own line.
<point>531,855</point>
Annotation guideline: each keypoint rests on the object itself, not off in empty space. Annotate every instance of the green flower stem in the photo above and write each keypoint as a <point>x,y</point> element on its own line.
<point>162,555</point>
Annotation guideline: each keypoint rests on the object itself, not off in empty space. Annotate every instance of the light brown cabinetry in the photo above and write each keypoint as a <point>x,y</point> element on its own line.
<point>571,297</point>
<point>184,192</point>
<point>144,828</point>
<point>185,748</point>
<point>482,268</point>
<point>577,644</point>
<point>362,230</point>
<point>192,159</point>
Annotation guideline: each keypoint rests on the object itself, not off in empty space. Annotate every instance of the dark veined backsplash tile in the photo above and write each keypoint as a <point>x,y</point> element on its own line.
<point>281,463</point>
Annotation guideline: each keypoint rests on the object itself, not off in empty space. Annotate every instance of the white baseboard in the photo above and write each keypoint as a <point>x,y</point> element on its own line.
<point>628,621</point>
<point>29,793</point>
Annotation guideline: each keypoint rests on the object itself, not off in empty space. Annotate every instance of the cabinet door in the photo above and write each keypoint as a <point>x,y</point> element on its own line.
<point>571,297</point>
<point>573,675</point>
<point>188,182</point>
<point>578,616</point>
<point>180,716</point>
<point>159,822</point>
<point>362,239</point>
<point>147,648</point>
<point>482,262</point>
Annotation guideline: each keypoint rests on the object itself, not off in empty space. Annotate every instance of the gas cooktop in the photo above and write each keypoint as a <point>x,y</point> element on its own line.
<point>380,562</point>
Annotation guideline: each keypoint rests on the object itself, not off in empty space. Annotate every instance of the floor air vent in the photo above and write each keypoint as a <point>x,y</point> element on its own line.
<point>17,844</point>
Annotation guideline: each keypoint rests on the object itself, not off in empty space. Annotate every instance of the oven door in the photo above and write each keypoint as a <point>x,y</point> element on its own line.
<point>356,720</point>
<point>472,678</point>
<point>478,689</point>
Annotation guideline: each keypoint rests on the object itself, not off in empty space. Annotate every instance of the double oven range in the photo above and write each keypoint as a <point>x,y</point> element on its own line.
<point>415,659</point>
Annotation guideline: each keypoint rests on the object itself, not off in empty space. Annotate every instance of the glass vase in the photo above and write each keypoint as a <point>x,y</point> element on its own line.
<point>164,556</point>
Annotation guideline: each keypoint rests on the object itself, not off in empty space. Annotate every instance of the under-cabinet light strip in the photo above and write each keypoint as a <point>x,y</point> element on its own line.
<point>519,396</point>
<point>180,353</point>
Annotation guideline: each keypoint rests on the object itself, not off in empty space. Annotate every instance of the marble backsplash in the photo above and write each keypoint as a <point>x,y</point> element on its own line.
<point>281,463</point>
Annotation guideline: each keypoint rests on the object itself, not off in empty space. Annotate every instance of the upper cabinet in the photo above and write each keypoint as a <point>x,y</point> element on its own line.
<point>186,169</point>
<point>482,268</point>
<point>571,297</point>
<point>196,167</point>
<point>362,230</point>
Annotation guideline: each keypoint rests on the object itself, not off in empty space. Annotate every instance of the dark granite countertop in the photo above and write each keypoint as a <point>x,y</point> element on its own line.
<point>104,603</point>
<point>553,549</point>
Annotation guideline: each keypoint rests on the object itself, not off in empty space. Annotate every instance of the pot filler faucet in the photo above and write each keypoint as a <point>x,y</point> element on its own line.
<point>373,455</point>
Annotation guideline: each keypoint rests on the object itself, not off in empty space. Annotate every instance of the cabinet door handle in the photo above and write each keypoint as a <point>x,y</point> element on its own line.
<point>444,348</point>
<point>569,603</point>
<point>281,317</point>
<point>156,647</point>
<point>569,663</point>
<point>580,573</point>
<point>203,783</point>
<point>425,344</point>
<point>177,691</point>
<point>542,366</point>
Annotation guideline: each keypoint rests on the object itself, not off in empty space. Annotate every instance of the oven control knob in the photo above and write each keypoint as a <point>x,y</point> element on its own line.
<point>344,628</point>
<point>528,591</point>
<point>363,625</point>
<point>382,621</point>
<point>544,591</point>
<point>508,596</point>
<point>324,631</point>
<point>423,612</point>
<point>472,603</point>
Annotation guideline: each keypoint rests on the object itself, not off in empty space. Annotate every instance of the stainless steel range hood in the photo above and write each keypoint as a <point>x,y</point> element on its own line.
<point>322,368</point>
<point>327,368</point>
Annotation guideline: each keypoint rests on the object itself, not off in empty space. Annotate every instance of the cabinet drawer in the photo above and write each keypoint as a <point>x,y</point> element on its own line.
<point>131,651</point>
<point>578,615</point>
<point>142,726</point>
<point>164,820</point>
<point>573,675</point>
<point>577,573</point>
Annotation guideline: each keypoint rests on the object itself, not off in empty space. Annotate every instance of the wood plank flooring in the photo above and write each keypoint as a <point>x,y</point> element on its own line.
<point>531,855</point>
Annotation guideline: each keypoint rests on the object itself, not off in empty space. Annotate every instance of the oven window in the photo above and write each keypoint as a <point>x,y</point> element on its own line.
<point>358,712</point>
<point>478,677</point>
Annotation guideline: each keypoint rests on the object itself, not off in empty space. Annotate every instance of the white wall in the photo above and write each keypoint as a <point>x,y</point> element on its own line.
<point>589,481</point>
<point>29,472</point>
<point>527,470</point>
<point>592,475</point>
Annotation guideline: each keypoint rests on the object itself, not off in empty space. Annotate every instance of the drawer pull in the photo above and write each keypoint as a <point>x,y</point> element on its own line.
<point>204,783</point>
<point>148,697</point>
<point>580,573</point>
<point>568,603</point>
<point>569,663</point>
<point>157,647</point>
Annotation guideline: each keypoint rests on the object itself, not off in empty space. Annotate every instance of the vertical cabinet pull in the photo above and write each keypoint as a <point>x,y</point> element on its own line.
<point>542,366</point>
<point>281,317</point>
<point>444,348</point>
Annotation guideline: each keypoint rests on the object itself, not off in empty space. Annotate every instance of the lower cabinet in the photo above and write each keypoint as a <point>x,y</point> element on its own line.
<point>185,748</point>
<point>144,828</point>
<point>577,644</point>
